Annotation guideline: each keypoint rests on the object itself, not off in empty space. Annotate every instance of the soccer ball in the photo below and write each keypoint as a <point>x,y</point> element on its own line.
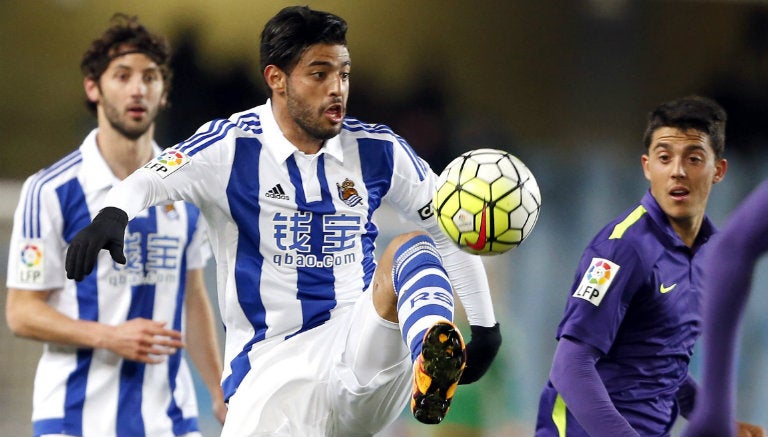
<point>487,201</point>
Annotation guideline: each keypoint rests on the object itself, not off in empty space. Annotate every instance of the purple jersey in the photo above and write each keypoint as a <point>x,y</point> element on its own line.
<point>636,298</point>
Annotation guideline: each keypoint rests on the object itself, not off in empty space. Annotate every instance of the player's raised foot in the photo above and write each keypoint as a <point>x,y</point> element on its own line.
<point>436,372</point>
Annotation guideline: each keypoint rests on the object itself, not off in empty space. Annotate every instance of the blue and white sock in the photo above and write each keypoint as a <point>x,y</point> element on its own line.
<point>424,294</point>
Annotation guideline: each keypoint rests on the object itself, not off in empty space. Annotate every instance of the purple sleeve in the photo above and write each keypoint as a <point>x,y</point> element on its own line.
<point>729,266</point>
<point>576,379</point>
<point>597,323</point>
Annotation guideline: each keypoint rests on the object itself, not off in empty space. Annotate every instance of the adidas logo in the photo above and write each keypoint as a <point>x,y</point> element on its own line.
<point>277,193</point>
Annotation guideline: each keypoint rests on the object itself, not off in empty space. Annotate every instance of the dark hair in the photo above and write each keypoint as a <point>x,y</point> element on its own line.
<point>692,112</point>
<point>287,35</point>
<point>125,35</point>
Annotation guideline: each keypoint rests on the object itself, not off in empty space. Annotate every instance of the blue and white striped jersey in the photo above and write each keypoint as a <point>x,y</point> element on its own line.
<point>294,234</point>
<point>95,393</point>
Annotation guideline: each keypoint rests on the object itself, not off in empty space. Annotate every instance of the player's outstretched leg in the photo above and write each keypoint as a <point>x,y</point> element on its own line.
<point>425,314</point>
<point>436,372</point>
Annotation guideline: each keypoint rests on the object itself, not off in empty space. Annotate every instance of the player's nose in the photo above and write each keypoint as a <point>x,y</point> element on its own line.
<point>678,169</point>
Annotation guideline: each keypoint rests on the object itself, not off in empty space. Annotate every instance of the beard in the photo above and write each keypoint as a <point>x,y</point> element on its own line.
<point>309,119</point>
<point>129,128</point>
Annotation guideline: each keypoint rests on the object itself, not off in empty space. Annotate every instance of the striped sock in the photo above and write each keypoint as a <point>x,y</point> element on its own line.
<point>424,294</point>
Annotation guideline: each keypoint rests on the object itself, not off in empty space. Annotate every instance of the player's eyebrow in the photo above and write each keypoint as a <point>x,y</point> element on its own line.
<point>328,63</point>
<point>150,69</point>
<point>688,147</point>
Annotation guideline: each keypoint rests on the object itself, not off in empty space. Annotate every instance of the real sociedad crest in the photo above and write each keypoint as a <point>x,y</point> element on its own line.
<point>348,193</point>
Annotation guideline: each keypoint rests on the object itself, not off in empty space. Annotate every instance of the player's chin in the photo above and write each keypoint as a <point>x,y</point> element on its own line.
<point>136,132</point>
<point>680,213</point>
<point>330,131</point>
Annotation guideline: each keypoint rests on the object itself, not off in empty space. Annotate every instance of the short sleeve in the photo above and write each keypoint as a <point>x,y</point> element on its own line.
<point>607,279</point>
<point>413,183</point>
<point>36,250</point>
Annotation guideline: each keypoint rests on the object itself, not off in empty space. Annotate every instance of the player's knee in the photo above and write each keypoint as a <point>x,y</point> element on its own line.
<point>402,239</point>
<point>385,301</point>
<point>388,256</point>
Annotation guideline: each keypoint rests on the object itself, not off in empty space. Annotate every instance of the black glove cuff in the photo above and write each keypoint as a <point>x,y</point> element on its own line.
<point>113,214</point>
<point>481,351</point>
<point>486,332</point>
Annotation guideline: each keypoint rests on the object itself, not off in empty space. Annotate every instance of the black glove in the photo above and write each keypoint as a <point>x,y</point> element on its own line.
<point>106,231</point>
<point>481,351</point>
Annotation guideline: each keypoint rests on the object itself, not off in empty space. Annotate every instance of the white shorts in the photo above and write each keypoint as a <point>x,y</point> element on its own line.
<point>305,386</point>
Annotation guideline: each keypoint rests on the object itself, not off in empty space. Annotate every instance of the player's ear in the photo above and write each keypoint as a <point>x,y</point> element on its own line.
<point>92,90</point>
<point>275,78</point>
<point>164,100</point>
<point>721,166</point>
<point>644,161</point>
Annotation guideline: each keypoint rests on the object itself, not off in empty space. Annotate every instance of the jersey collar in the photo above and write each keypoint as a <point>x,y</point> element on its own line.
<point>281,148</point>
<point>660,218</point>
<point>96,174</point>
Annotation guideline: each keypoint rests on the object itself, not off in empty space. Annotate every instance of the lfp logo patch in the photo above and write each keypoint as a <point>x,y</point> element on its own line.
<point>31,263</point>
<point>596,280</point>
<point>167,163</point>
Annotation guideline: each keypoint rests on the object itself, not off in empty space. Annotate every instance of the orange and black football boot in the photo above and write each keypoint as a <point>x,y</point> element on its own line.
<point>436,372</point>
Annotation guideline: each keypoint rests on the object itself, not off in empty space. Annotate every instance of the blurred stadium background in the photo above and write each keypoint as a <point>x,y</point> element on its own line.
<point>563,84</point>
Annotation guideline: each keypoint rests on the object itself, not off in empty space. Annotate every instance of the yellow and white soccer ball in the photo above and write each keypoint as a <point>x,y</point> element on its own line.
<point>487,201</point>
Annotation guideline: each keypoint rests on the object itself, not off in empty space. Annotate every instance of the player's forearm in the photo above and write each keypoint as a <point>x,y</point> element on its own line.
<point>724,304</point>
<point>201,345</point>
<point>34,319</point>
<point>576,379</point>
<point>733,253</point>
<point>208,365</point>
<point>202,342</point>
<point>471,286</point>
<point>469,282</point>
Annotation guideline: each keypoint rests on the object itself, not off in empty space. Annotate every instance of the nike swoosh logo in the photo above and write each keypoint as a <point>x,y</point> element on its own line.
<point>480,243</point>
<point>665,290</point>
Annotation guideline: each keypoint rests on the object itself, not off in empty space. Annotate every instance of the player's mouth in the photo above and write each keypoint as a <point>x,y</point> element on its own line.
<point>136,111</point>
<point>679,193</point>
<point>335,113</point>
